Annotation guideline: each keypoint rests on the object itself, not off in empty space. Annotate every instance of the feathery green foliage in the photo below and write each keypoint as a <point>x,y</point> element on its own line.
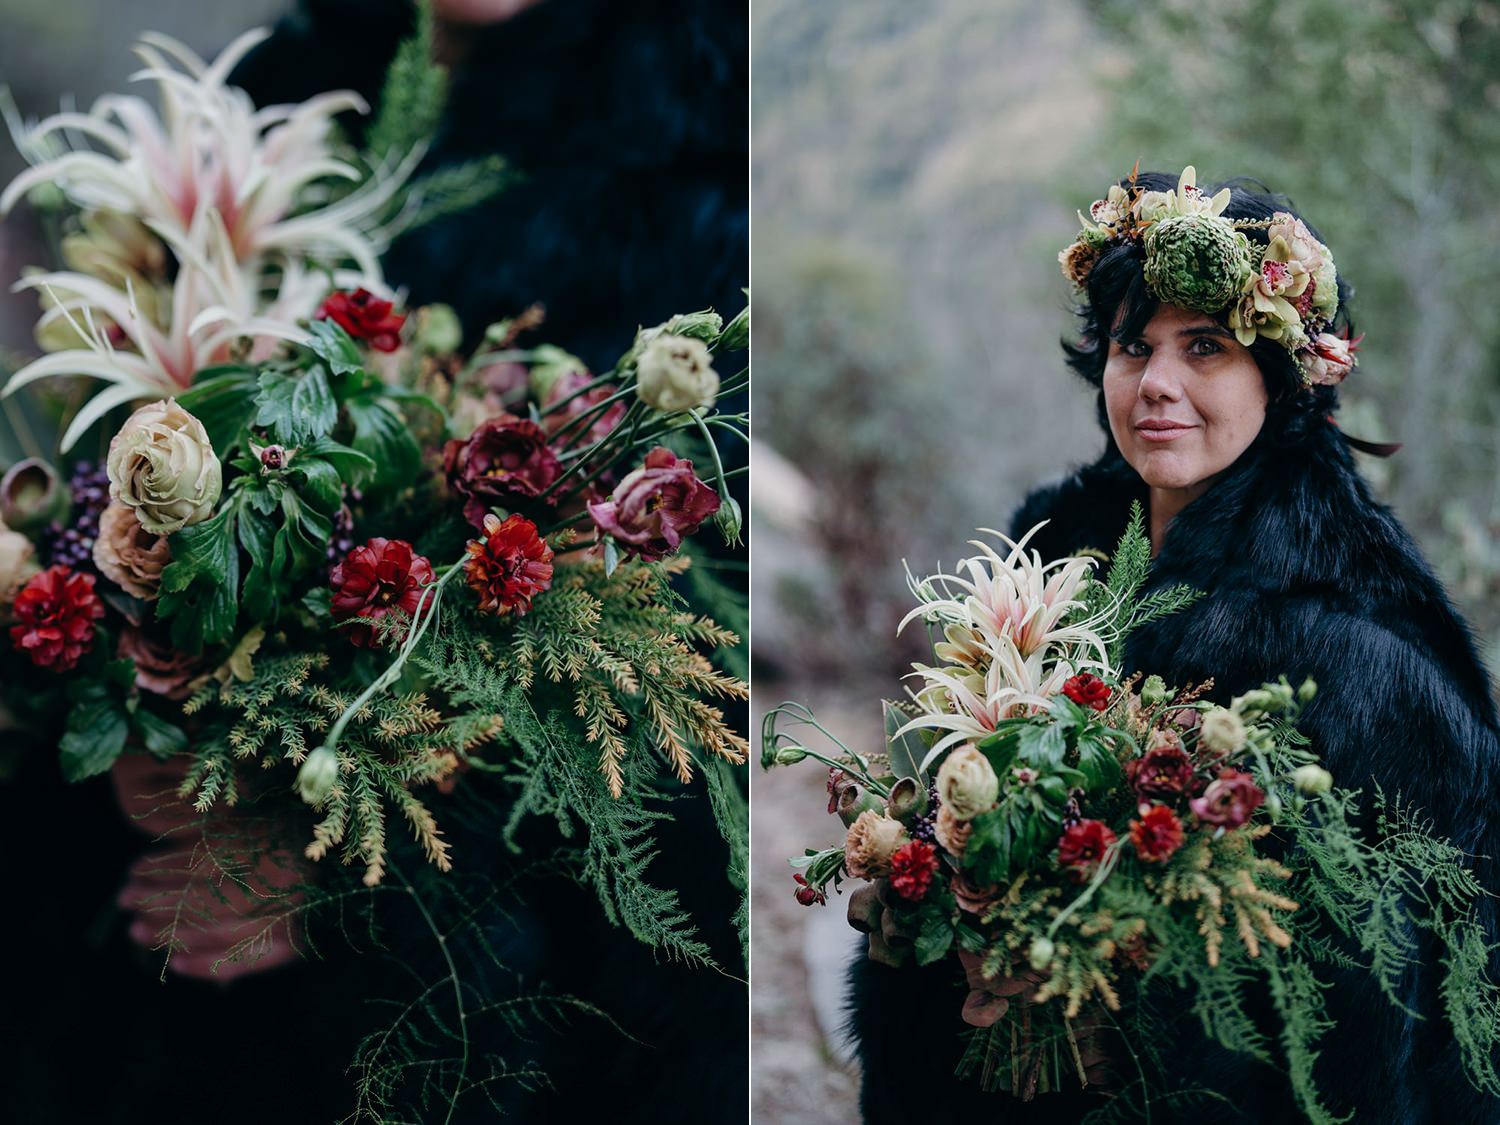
<point>412,99</point>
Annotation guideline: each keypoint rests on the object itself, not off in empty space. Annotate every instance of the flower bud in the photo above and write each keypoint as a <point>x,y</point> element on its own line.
<point>730,520</point>
<point>1041,953</point>
<point>549,366</point>
<point>1253,702</point>
<point>1222,730</point>
<point>439,331</point>
<point>162,465</point>
<point>1153,691</point>
<point>1308,689</point>
<point>705,325</point>
<point>1312,779</point>
<point>318,775</point>
<point>32,495</point>
<point>782,756</point>
<point>907,801</point>
<point>966,783</point>
<point>674,373</point>
<point>736,334</point>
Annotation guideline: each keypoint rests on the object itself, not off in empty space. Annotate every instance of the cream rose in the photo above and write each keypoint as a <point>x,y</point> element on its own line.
<point>953,834</point>
<point>162,466</point>
<point>871,842</point>
<point>1222,730</point>
<point>127,554</point>
<point>966,783</point>
<point>674,374</point>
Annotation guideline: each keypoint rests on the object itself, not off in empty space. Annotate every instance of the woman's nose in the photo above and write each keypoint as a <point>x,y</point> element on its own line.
<point>1162,378</point>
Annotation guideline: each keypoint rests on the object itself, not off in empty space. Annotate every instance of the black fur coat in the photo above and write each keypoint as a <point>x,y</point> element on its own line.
<point>1303,574</point>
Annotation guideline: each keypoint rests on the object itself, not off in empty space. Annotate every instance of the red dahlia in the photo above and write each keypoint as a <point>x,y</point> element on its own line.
<point>912,868</point>
<point>382,577</point>
<point>1087,691</point>
<point>1082,848</point>
<point>56,611</point>
<point>1157,835</point>
<point>365,317</point>
<point>509,566</point>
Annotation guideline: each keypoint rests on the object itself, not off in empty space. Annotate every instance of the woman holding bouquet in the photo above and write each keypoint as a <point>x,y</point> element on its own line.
<point>1214,329</point>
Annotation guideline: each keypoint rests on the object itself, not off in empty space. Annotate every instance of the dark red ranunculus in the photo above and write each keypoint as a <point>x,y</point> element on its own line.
<point>1164,771</point>
<point>1082,848</point>
<point>1229,800</point>
<point>508,566</point>
<point>56,610</point>
<point>505,458</point>
<point>365,317</point>
<point>912,868</point>
<point>1157,835</point>
<point>383,576</point>
<point>656,506</point>
<point>1088,691</point>
<point>807,894</point>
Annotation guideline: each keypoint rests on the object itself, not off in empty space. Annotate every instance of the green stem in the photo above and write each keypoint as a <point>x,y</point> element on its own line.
<point>1106,868</point>
<point>714,451</point>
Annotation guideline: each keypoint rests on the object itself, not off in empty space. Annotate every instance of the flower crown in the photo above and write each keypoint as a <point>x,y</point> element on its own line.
<point>1197,259</point>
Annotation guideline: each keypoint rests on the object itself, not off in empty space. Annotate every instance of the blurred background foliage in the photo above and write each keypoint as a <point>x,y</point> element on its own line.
<point>916,169</point>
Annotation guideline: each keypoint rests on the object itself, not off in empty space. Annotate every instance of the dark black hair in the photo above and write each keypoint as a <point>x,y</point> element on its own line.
<point>1117,305</point>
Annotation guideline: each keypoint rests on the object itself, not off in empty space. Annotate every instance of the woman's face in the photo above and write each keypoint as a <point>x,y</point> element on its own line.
<point>1184,399</point>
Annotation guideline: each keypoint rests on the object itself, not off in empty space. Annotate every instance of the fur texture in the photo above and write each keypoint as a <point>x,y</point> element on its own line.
<point>1303,574</point>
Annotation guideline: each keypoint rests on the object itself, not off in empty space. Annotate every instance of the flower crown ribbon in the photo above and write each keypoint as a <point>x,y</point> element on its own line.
<point>1196,258</point>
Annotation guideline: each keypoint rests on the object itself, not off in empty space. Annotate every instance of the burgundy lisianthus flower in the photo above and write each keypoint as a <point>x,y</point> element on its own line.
<point>365,317</point>
<point>56,610</point>
<point>1082,848</point>
<point>1228,801</point>
<point>1087,691</point>
<point>566,389</point>
<point>383,576</point>
<point>912,868</point>
<point>508,566</point>
<point>1157,835</point>
<point>807,894</point>
<point>505,458</point>
<point>656,506</point>
<point>1164,771</point>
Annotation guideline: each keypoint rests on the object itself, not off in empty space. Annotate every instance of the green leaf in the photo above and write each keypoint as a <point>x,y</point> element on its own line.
<point>934,940</point>
<point>611,555</point>
<point>296,408</point>
<point>1097,762</point>
<point>257,534</point>
<point>198,588</point>
<point>160,736</point>
<point>382,433</point>
<point>1001,748</point>
<point>988,855</point>
<point>95,735</point>
<point>223,402</point>
<point>335,346</point>
<point>351,464</point>
<point>905,751</point>
<point>1044,746</point>
<point>322,487</point>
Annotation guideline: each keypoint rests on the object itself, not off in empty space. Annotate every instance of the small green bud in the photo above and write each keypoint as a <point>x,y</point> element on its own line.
<point>705,325</point>
<point>1253,701</point>
<point>1041,954</point>
<point>318,775</point>
<point>1312,780</point>
<point>729,520</point>
<point>1153,691</point>
<point>736,334</point>
<point>782,756</point>
<point>438,330</point>
<point>549,364</point>
<point>1308,689</point>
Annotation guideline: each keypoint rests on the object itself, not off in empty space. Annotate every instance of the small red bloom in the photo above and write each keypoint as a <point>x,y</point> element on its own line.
<point>1082,848</point>
<point>1157,835</point>
<point>509,566</point>
<point>383,576</point>
<point>1087,691</point>
<point>1164,771</point>
<point>504,458</point>
<point>807,894</point>
<point>1229,801</point>
<point>56,611</point>
<point>912,868</point>
<point>365,317</point>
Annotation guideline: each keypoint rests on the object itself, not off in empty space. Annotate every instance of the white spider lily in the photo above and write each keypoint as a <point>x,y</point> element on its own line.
<point>209,148</point>
<point>1014,597</point>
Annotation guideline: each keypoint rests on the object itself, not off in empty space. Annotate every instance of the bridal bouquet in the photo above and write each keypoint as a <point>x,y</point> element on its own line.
<point>1075,837</point>
<point>312,557</point>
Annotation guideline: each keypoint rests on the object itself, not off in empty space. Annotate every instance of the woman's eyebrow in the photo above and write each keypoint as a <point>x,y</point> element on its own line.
<point>1207,327</point>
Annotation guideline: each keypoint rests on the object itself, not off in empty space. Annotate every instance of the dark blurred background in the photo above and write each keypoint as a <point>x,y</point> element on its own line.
<point>916,169</point>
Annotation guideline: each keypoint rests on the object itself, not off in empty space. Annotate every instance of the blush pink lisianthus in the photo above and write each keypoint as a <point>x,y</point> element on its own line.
<point>654,508</point>
<point>1229,801</point>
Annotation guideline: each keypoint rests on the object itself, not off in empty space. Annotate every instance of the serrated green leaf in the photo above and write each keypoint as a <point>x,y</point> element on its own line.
<point>336,347</point>
<point>381,432</point>
<point>1097,762</point>
<point>296,408</point>
<point>223,399</point>
<point>199,587</point>
<point>933,940</point>
<point>95,736</point>
<point>905,751</point>
<point>321,486</point>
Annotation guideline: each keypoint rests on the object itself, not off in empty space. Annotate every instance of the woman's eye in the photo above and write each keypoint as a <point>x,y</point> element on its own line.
<point>1205,345</point>
<point>1136,349</point>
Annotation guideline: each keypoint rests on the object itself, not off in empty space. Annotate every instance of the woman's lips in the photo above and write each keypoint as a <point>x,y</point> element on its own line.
<point>1161,430</point>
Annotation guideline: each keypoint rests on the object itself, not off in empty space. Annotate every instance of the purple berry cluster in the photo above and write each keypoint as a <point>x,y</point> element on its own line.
<point>73,545</point>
